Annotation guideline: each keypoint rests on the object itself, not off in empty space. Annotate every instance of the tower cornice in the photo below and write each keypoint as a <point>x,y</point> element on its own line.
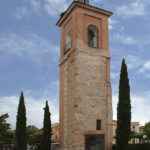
<point>75,4</point>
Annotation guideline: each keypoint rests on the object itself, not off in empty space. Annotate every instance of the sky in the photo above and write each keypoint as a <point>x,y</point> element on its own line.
<point>29,54</point>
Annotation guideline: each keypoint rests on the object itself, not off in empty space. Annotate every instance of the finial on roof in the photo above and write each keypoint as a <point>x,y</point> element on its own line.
<point>83,1</point>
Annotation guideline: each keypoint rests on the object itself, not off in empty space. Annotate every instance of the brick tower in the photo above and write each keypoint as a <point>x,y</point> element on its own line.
<point>85,88</point>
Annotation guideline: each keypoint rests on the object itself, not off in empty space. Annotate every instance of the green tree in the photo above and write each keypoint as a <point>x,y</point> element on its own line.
<point>147,130</point>
<point>33,134</point>
<point>21,135</point>
<point>123,110</point>
<point>6,135</point>
<point>31,130</point>
<point>135,135</point>
<point>47,131</point>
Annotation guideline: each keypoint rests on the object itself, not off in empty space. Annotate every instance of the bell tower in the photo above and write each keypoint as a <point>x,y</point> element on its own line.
<point>85,88</point>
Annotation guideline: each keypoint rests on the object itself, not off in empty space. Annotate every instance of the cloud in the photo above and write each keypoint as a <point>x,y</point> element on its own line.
<point>55,7</point>
<point>21,12</point>
<point>112,23</point>
<point>27,8</point>
<point>145,68</point>
<point>29,45</point>
<point>36,5</point>
<point>136,8</point>
<point>114,75</point>
<point>134,62</point>
<point>140,105</point>
<point>39,7</point>
<point>34,108</point>
<point>124,39</point>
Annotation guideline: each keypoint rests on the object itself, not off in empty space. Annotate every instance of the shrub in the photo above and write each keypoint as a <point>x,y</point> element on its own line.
<point>136,147</point>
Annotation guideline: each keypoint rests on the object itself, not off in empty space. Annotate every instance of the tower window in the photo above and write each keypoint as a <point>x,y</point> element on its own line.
<point>68,44</point>
<point>92,36</point>
<point>98,125</point>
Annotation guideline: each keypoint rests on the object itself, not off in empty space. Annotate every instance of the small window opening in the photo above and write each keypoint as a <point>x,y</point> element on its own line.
<point>98,125</point>
<point>92,36</point>
<point>68,44</point>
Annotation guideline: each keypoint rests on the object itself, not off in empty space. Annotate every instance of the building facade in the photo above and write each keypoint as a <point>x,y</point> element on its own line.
<point>85,88</point>
<point>135,127</point>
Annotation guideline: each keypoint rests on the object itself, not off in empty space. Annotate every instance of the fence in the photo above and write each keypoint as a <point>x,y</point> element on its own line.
<point>6,147</point>
<point>55,146</point>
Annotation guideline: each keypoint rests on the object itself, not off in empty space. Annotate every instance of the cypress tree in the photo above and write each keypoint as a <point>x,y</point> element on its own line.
<point>123,110</point>
<point>47,132</point>
<point>21,136</point>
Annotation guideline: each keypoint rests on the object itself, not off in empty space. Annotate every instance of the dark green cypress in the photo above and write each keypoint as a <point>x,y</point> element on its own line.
<point>47,132</point>
<point>123,110</point>
<point>21,136</point>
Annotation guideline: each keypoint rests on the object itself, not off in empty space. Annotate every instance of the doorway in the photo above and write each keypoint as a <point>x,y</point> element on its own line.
<point>95,142</point>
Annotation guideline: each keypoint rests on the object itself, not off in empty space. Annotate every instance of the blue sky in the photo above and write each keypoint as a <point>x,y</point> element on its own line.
<point>29,52</point>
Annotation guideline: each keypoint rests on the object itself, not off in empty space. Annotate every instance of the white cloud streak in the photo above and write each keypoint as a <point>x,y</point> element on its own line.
<point>55,7</point>
<point>134,62</point>
<point>124,39</point>
<point>135,8</point>
<point>112,23</point>
<point>37,7</point>
<point>145,67</point>
<point>29,45</point>
<point>21,12</point>
<point>139,106</point>
<point>34,108</point>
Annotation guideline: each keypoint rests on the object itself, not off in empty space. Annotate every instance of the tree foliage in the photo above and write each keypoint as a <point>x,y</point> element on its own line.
<point>33,135</point>
<point>47,132</point>
<point>123,110</point>
<point>6,135</point>
<point>21,135</point>
<point>147,130</point>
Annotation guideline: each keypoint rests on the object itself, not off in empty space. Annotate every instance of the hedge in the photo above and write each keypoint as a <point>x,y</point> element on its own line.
<point>136,147</point>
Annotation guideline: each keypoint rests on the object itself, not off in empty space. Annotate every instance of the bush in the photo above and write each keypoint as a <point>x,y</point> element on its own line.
<point>136,147</point>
